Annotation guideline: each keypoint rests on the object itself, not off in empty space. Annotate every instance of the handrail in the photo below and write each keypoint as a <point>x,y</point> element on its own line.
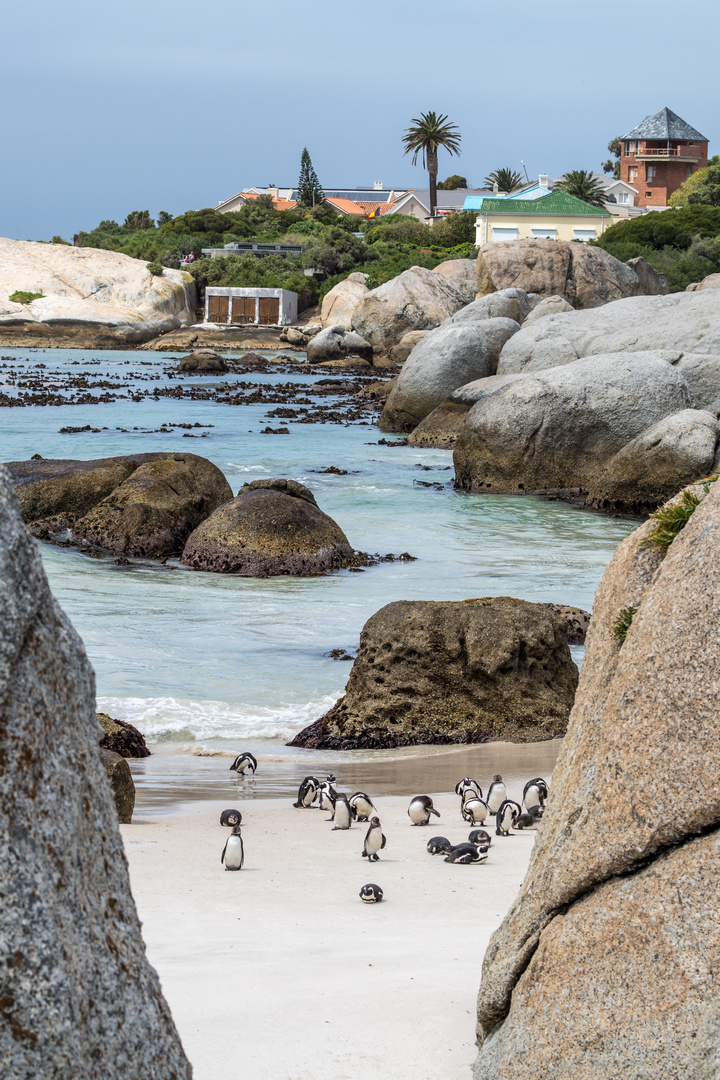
<point>666,151</point>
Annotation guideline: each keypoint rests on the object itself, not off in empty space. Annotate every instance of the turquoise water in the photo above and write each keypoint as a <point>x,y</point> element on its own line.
<point>219,661</point>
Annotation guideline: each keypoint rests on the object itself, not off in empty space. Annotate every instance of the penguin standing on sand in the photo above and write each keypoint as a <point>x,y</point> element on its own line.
<point>374,841</point>
<point>307,792</point>
<point>231,818</point>
<point>420,809</point>
<point>506,817</point>
<point>343,816</point>
<point>474,810</point>
<point>327,797</point>
<point>468,784</point>
<point>438,845</point>
<point>535,793</point>
<point>361,806</point>
<point>243,762</point>
<point>371,894</point>
<point>233,853</point>
<point>466,853</point>
<point>497,794</point>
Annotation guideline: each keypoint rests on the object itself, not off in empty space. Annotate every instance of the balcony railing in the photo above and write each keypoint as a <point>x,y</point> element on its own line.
<point>690,153</point>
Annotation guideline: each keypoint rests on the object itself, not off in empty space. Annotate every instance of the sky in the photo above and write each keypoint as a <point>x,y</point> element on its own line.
<point>160,105</point>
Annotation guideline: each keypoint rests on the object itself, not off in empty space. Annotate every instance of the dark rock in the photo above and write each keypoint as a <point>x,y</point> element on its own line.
<point>441,428</point>
<point>203,362</point>
<point>122,738</point>
<point>578,621</point>
<point>47,488</point>
<point>121,782</point>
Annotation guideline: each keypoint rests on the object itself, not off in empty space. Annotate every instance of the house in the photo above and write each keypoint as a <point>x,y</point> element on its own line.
<point>620,197</point>
<point>243,307</point>
<point>659,155</point>
<point>363,202</point>
<point>554,216</point>
<point>253,247</point>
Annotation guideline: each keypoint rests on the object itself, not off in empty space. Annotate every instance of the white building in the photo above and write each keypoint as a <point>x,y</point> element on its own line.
<point>250,307</point>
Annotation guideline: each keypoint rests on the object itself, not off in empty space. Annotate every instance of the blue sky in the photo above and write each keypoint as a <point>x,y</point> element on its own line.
<point>176,105</point>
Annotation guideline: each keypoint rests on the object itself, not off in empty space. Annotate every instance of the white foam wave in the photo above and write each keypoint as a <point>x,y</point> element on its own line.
<point>163,718</point>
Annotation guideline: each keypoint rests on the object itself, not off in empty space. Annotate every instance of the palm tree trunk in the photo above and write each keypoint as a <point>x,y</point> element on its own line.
<point>432,166</point>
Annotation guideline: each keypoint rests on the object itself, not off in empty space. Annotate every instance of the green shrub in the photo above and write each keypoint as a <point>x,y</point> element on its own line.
<point>670,520</point>
<point>155,267</point>
<point>624,622</point>
<point>21,297</point>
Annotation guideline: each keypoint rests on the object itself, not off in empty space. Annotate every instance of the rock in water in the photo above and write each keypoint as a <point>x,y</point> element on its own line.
<point>270,527</point>
<point>79,998</point>
<point>453,672</point>
<point>627,857</point>
<point>121,782</point>
<point>122,738</point>
<point>203,362</point>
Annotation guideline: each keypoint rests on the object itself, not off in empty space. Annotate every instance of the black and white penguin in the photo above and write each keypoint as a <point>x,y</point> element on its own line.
<point>480,836</point>
<point>473,809</point>
<point>466,853</point>
<point>420,809</point>
<point>535,793</point>
<point>371,894</point>
<point>233,853</point>
<point>374,841</point>
<point>506,817</point>
<point>530,819</point>
<point>361,806</point>
<point>468,784</point>
<point>343,816</point>
<point>327,797</point>
<point>497,794</point>
<point>307,792</point>
<point>243,762</point>
<point>439,845</point>
<point>231,818</point>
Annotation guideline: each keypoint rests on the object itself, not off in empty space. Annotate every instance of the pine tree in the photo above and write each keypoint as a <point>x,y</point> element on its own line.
<point>310,192</point>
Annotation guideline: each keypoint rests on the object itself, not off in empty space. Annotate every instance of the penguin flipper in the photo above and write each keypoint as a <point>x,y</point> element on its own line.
<point>434,811</point>
<point>222,857</point>
<point>384,841</point>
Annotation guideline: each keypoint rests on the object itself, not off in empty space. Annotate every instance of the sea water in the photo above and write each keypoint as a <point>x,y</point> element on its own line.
<point>207,664</point>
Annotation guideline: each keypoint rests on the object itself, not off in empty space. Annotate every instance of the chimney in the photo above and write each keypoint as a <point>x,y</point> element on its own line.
<point>544,180</point>
<point>378,185</point>
<point>274,192</point>
<point>495,188</point>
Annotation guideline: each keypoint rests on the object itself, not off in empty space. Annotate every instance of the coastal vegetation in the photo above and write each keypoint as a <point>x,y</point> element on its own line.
<point>424,138</point>
<point>682,243</point>
<point>507,180</point>
<point>22,297</point>
<point>670,519</point>
<point>624,623</point>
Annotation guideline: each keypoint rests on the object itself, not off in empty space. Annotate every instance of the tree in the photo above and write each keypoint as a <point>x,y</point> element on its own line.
<point>610,166</point>
<point>163,217</point>
<point>507,180</point>
<point>452,183</point>
<point>582,184</point>
<point>425,137</point>
<point>309,190</point>
<point>137,220</point>
<point>681,197</point>
<point>707,192</point>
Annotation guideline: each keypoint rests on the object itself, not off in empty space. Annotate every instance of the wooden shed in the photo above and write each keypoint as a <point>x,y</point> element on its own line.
<point>245,307</point>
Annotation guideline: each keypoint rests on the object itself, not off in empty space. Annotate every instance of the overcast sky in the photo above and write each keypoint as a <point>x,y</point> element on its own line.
<point>160,105</point>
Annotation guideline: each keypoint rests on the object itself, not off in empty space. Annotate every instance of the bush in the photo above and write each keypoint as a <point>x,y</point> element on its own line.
<point>21,297</point>
<point>155,267</point>
<point>669,228</point>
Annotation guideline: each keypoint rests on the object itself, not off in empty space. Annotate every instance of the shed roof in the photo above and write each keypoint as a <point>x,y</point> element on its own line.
<point>665,125</point>
<point>557,202</point>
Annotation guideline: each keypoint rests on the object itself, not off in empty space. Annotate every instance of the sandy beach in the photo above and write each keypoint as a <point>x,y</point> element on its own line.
<point>279,971</point>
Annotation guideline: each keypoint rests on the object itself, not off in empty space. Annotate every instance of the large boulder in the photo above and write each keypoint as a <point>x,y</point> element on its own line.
<point>652,282</point>
<point>418,299</point>
<point>702,374</point>
<point>679,323</point>
<point>606,964</point>
<point>337,343</point>
<point>156,508</point>
<point>558,429</point>
<point>449,356</point>
<point>585,276</point>
<point>549,305</point>
<point>122,738</point>
<point>88,296</point>
<point>453,672</point>
<point>339,304</point>
<point>121,782</point>
<point>462,273</point>
<point>79,998</point>
<point>712,281</point>
<point>203,362</point>
<point>441,428</point>
<point>406,344</point>
<point>270,527</point>
<point>513,304</point>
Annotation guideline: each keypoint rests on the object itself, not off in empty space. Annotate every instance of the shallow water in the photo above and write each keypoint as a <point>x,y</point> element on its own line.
<point>202,660</point>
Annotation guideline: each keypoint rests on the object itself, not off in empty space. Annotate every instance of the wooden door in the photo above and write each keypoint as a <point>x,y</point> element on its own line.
<point>243,309</point>
<point>269,311</point>
<point>218,308</point>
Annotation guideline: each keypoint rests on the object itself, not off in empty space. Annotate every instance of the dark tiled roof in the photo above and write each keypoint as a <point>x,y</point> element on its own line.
<point>665,125</point>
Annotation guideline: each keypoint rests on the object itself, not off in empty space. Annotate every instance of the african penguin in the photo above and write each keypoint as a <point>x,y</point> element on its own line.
<point>468,784</point>
<point>420,809</point>
<point>371,894</point>
<point>535,792</point>
<point>374,841</point>
<point>466,853</point>
<point>473,809</point>
<point>439,845</point>
<point>233,852</point>
<point>479,836</point>
<point>307,792</point>
<point>327,796</point>
<point>343,817</point>
<point>243,762</point>
<point>506,817</point>
<point>361,806</point>
<point>230,818</point>
<point>530,819</point>
<point>497,794</point>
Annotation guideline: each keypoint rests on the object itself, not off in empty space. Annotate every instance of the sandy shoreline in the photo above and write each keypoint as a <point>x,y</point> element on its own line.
<point>279,972</point>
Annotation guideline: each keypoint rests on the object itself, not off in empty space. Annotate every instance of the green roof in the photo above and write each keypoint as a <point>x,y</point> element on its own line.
<point>557,202</point>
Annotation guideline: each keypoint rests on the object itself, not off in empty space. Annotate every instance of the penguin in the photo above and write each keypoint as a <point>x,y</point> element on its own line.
<point>530,819</point>
<point>466,853</point>
<point>327,797</point>
<point>439,845</point>
<point>506,817</point>
<point>231,818</point>
<point>473,809</point>
<point>233,853</point>
<point>243,762</point>
<point>480,837</point>
<point>420,809</point>
<point>307,792</point>
<point>374,841</point>
<point>497,794</point>
<point>361,806</point>
<point>343,816</point>
<point>371,894</point>
<point>467,784</point>
<point>535,792</point>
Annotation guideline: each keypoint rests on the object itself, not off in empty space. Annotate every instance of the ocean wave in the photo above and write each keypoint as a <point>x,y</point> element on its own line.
<point>178,719</point>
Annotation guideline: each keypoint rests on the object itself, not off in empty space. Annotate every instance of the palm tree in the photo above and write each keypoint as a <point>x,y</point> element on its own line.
<point>425,137</point>
<point>582,184</point>
<point>507,180</point>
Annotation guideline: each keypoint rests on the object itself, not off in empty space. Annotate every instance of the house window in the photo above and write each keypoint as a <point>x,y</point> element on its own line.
<point>632,173</point>
<point>543,234</point>
<point>504,233</point>
<point>583,234</point>
<point>630,147</point>
<point>651,171</point>
<point>623,197</point>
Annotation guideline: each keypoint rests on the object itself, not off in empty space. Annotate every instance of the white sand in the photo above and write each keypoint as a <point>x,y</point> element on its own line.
<point>280,972</point>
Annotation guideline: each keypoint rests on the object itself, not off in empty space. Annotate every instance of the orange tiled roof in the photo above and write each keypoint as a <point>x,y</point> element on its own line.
<point>279,204</point>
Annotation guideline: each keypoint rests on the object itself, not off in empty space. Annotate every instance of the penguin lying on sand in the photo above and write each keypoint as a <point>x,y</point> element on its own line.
<point>468,784</point>
<point>230,818</point>
<point>374,841</point>
<point>233,853</point>
<point>480,836</point>
<point>420,809</point>
<point>506,817</point>
<point>307,792</point>
<point>371,894</point>
<point>439,845</point>
<point>466,853</point>
<point>343,816</point>
<point>530,819</point>
<point>361,806</point>
<point>243,762</point>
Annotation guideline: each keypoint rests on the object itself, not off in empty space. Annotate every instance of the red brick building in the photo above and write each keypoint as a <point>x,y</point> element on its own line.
<point>659,155</point>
